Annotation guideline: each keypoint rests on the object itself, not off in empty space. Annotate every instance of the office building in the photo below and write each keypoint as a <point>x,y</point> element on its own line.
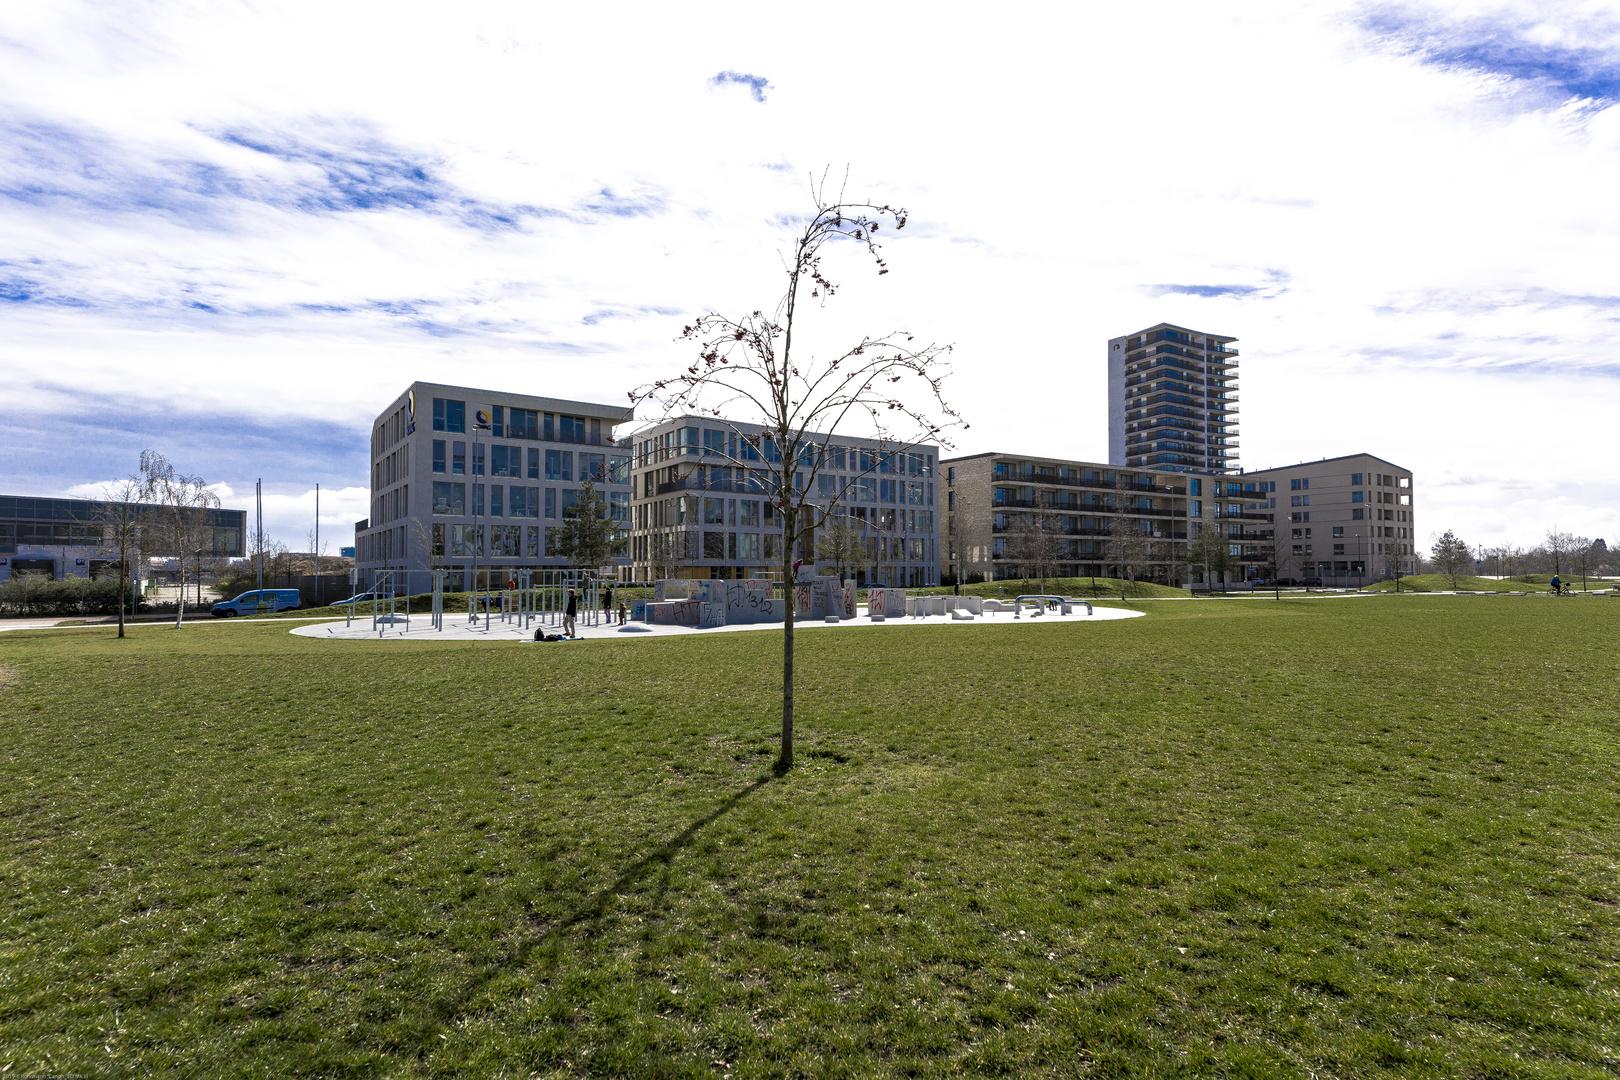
<point>702,504</point>
<point>1172,401</point>
<point>63,538</point>
<point>476,482</point>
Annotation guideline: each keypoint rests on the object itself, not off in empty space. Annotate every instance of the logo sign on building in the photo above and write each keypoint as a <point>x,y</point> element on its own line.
<point>410,412</point>
<point>78,562</point>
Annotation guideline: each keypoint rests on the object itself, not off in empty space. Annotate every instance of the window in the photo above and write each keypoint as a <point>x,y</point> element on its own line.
<point>714,511</point>
<point>748,546</point>
<point>714,545</point>
<point>1406,500</point>
<point>619,506</point>
<point>466,540</point>
<point>593,467</point>
<point>1356,496</point>
<point>886,489</point>
<point>478,459</point>
<point>448,498</point>
<point>523,502</point>
<point>570,429</point>
<point>1355,479</point>
<point>1293,485</point>
<point>438,455</point>
<point>551,502</point>
<point>1357,513</point>
<point>502,458</point>
<point>1338,530</point>
<point>1195,487</point>
<point>570,503</point>
<point>495,501</point>
<point>868,489</point>
<point>1405,482</point>
<point>522,424</point>
<point>560,465</point>
<point>478,500</point>
<point>449,415</point>
<point>438,541</point>
<point>458,458</point>
<point>497,420</point>
<point>532,549</point>
<point>950,500</point>
<point>618,469</point>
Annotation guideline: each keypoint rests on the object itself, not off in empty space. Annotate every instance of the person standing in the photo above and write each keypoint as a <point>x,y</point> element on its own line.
<point>607,603</point>
<point>568,616</point>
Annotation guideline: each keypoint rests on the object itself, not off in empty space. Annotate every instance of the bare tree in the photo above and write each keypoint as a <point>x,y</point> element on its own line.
<point>840,547</point>
<point>184,501</point>
<point>958,519</point>
<point>1035,544</point>
<point>890,384</point>
<point>1559,547</point>
<point>120,515</point>
<point>1451,556</point>
<point>1580,557</point>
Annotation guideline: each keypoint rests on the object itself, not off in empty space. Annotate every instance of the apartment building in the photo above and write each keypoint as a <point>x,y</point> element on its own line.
<point>704,504</point>
<point>993,500</point>
<point>1348,520</point>
<point>478,482</point>
<point>1172,401</point>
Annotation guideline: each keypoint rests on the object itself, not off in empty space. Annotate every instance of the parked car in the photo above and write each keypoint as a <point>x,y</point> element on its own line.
<point>1287,581</point>
<point>1312,583</point>
<point>1259,583</point>
<point>363,598</point>
<point>249,602</point>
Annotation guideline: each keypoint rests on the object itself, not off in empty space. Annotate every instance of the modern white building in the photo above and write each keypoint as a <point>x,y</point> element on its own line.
<point>703,507</point>
<point>1172,401</point>
<point>476,481</point>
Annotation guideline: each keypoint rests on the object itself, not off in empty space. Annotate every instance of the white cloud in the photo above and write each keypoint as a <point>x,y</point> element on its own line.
<point>1431,256</point>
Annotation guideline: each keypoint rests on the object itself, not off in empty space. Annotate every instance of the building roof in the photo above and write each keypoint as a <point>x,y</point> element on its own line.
<point>1323,461</point>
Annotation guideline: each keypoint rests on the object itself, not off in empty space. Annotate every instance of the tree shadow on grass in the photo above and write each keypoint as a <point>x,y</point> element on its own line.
<point>452,1005</point>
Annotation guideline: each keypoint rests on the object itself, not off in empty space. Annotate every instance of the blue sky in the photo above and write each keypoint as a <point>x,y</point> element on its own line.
<point>233,240</point>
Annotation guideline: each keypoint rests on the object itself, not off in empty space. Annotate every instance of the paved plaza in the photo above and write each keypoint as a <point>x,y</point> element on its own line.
<point>458,628</point>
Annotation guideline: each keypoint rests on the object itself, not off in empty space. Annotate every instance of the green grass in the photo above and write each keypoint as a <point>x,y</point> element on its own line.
<point>1442,583</point>
<point>1363,838</point>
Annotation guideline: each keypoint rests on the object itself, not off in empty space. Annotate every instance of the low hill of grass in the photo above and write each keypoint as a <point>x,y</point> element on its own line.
<point>1443,583</point>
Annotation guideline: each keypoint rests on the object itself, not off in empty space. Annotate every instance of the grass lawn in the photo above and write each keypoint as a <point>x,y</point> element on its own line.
<point>1442,582</point>
<point>1363,837</point>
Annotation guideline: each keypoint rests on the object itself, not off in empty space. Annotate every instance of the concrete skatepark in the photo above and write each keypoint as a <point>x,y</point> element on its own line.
<point>680,608</point>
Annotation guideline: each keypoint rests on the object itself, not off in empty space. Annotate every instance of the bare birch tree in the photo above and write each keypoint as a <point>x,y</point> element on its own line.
<point>120,515</point>
<point>183,502</point>
<point>747,369</point>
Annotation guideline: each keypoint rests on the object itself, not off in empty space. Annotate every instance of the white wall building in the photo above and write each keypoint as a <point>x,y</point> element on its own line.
<point>474,481</point>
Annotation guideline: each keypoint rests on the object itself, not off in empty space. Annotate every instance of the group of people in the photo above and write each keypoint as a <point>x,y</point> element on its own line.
<point>571,613</point>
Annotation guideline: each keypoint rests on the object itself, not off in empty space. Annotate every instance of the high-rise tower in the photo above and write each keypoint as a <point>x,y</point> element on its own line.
<point>1172,400</point>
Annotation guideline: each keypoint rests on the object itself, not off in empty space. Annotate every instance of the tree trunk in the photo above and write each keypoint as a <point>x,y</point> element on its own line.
<point>180,604</point>
<point>790,593</point>
<point>123,591</point>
